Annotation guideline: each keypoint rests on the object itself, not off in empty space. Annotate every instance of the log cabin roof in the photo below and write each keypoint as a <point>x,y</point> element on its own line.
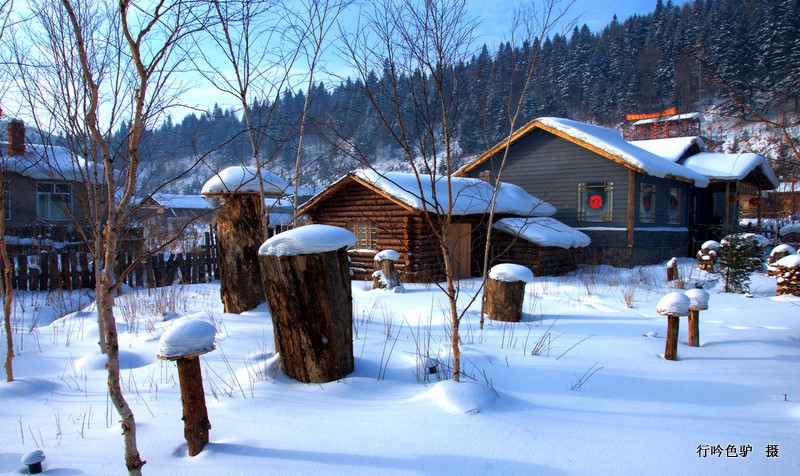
<point>429,193</point>
<point>603,141</point>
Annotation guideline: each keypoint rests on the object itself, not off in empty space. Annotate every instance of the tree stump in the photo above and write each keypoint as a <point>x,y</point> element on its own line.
<point>385,275</point>
<point>671,349</point>
<point>672,270</point>
<point>239,236</point>
<point>505,292</point>
<point>310,299</point>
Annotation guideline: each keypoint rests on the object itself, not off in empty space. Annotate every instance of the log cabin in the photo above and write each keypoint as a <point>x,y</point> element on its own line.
<point>406,213</point>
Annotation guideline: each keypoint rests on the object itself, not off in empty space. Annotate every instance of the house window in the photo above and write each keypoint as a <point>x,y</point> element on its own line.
<point>674,205</point>
<point>647,203</point>
<point>54,200</point>
<point>365,235</point>
<point>594,201</point>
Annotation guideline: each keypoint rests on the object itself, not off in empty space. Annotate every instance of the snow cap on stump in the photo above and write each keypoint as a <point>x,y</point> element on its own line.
<point>511,273</point>
<point>698,299</point>
<point>192,336</point>
<point>390,255</point>
<point>711,245</point>
<point>33,460</point>
<point>674,304</point>
<point>240,179</point>
<point>308,240</point>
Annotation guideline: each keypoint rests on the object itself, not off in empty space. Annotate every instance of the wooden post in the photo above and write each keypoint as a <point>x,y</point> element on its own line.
<point>694,328</point>
<point>671,349</point>
<point>504,300</point>
<point>673,305</point>
<point>195,413</point>
<point>239,237</point>
<point>310,299</point>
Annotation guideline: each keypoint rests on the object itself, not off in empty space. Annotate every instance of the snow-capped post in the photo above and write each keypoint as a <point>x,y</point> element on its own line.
<point>698,301</point>
<point>33,460</point>
<point>240,232</point>
<point>505,292</point>
<point>672,270</point>
<point>306,278</point>
<point>385,275</point>
<point>673,305</point>
<point>184,343</point>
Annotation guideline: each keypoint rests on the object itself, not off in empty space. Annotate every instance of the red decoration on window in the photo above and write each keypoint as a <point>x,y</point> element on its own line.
<point>732,198</point>
<point>596,201</point>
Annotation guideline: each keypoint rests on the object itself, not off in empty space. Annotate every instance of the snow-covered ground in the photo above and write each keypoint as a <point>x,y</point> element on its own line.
<point>579,387</point>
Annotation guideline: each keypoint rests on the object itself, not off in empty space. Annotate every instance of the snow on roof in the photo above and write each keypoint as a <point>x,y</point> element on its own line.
<point>194,202</point>
<point>674,304</point>
<point>611,142</point>
<point>243,180</point>
<point>544,231</point>
<point>470,196</point>
<point>306,240</point>
<point>671,148</point>
<point>676,117</point>
<point>730,166</point>
<point>50,163</point>
<point>187,337</point>
<point>511,273</point>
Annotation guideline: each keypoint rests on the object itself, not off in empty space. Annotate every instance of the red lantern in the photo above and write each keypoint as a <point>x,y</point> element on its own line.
<point>595,202</point>
<point>732,198</point>
<point>754,201</point>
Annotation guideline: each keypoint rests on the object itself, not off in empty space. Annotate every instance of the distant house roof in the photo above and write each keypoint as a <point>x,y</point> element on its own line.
<point>603,141</point>
<point>470,196</point>
<point>733,167</point>
<point>673,148</point>
<point>188,202</point>
<point>676,117</point>
<point>42,162</point>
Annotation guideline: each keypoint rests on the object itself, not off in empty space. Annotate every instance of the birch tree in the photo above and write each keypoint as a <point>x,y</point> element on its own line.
<point>6,7</point>
<point>87,69</point>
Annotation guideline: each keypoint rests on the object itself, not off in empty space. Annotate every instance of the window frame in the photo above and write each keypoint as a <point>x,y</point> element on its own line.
<point>366,235</point>
<point>58,199</point>
<point>675,218</point>
<point>647,191</point>
<point>587,209</point>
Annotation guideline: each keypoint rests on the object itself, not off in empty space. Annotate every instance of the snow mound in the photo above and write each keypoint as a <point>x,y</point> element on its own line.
<point>308,240</point>
<point>511,273</point>
<point>390,255</point>
<point>187,337</point>
<point>783,249</point>
<point>127,360</point>
<point>711,245</point>
<point>674,304</point>
<point>791,261</point>
<point>461,397</point>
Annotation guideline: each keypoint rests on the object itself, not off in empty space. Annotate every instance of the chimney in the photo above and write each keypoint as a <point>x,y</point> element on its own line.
<point>16,137</point>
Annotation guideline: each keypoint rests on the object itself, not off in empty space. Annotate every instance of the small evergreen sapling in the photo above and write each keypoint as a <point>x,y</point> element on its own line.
<point>739,255</point>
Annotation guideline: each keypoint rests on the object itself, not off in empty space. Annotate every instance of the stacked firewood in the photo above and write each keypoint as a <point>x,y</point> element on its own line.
<point>707,255</point>
<point>778,253</point>
<point>787,270</point>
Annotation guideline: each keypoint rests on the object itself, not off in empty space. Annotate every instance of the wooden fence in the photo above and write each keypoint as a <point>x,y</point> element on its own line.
<point>51,270</point>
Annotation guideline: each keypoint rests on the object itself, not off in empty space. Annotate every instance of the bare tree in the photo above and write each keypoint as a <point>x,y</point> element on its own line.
<point>7,289</point>
<point>88,69</point>
<point>531,25</point>
<point>419,45</point>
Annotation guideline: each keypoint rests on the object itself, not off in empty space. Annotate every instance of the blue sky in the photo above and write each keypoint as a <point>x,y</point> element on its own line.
<point>496,15</point>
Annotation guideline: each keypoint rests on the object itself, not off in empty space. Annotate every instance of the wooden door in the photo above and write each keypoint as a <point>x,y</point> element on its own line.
<point>459,242</point>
